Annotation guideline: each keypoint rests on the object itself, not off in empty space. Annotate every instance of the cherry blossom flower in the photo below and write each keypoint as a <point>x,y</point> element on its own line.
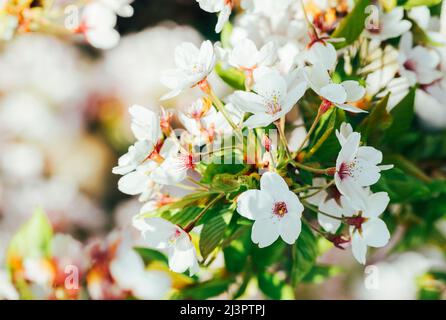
<point>142,177</point>
<point>357,167</point>
<point>134,157</point>
<point>145,123</point>
<point>273,97</point>
<point>344,132</point>
<point>205,124</point>
<point>366,228</point>
<point>223,7</point>
<point>322,53</point>
<point>276,211</point>
<point>193,66</point>
<point>97,24</point>
<point>247,57</point>
<point>390,25</point>
<point>417,64</point>
<point>128,270</point>
<point>339,94</point>
<point>163,235</point>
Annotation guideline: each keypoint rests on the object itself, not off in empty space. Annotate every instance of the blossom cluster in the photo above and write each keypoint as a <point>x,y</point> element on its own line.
<point>273,72</point>
<point>93,20</point>
<point>312,143</point>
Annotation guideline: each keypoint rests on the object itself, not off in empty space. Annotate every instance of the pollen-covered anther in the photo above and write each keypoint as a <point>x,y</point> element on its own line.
<point>280,209</point>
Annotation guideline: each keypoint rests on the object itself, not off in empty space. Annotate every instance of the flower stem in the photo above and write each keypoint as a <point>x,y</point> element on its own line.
<point>308,168</point>
<point>319,190</point>
<point>311,208</point>
<point>320,112</point>
<point>280,127</point>
<point>191,224</point>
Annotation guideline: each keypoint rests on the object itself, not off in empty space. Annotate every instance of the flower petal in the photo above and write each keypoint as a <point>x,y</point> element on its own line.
<point>289,227</point>
<point>274,185</point>
<point>264,232</point>
<point>359,247</point>
<point>375,233</point>
<point>254,204</point>
<point>334,92</point>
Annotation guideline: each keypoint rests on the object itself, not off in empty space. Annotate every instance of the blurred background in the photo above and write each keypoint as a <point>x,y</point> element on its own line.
<point>64,123</point>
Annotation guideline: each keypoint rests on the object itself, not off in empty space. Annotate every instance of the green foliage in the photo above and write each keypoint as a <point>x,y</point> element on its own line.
<point>237,251</point>
<point>205,290</point>
<point>149,255</point>
<point>213,233</point>
<point>352,25</point>
<point>33,240</point>
<point>304,255</point>
<point>409,4</point>
<point>326,146</point>
<point>401,187</point>
<point>402,117</point>
<point>379,120</point>
<point>232,76</point>
<point>274,287</point>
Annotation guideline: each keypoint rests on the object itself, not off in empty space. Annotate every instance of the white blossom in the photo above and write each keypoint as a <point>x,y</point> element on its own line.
<point>276,211</point>
<point>163,235</point>
<point>273,97</point>
<point>342,95</point>
<point>193,66</point>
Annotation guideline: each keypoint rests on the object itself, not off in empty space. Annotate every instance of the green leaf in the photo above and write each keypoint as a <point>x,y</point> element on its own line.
<point>236,253</point>
<point>33,240</point>
<point>304,255</point>
<point>401,187</point>
<point>352,25</point>
<point>182,217</point>
<point>225,182</point>
<point>226,35</point>
<point>326,146</point>
<point>212,233</point>
<point>402,114</point>
<point>319,274</point>
<point>206,289</point>
<point>274,287</point>
<point>233,77</point>
<point>212,169</point>
<point>263,258</point>
<point>149,255</point>
<point>416,3</point>
<point>379,120</point>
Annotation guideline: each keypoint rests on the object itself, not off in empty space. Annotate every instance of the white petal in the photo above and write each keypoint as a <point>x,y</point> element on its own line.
<point>223,17</point>
<point>102,38</point>
<point>260,120</point>
<point>133,183</point>
<point>264,232</point>
<point>254,204</point>
<point>243,54</point>
<point>289,227</point>
<point>323,53</point>
<point>334,92</point>
<point>354,90</point>
<point>375,233</point>
<point>157,232</point>
<point>376,204</point>
<point>350,108</point>
<point>273,184</point>
<point>370,154</point>
<point>248,101</point>
<point>349,149</point>
<point>359,247</point>
<point>332,208</point>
